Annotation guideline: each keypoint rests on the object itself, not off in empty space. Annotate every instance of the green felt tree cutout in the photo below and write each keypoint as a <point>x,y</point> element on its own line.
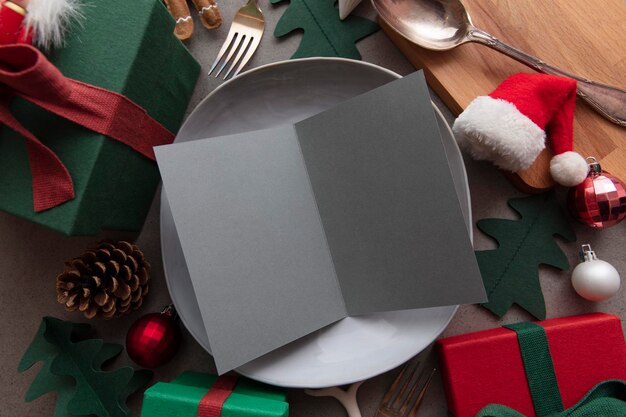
<point>72,368</point>
<point>510,272</point>
<point>324,33</point>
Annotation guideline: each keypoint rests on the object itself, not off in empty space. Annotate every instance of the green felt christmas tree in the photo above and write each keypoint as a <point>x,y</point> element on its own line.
<point>510,272</point>
<point>325,34</point>
<point>72,368</point>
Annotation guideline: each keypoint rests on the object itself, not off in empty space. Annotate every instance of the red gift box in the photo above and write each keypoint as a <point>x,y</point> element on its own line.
<point>486,367</point>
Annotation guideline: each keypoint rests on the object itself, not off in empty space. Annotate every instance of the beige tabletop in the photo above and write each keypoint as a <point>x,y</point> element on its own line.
<point>31,256</point>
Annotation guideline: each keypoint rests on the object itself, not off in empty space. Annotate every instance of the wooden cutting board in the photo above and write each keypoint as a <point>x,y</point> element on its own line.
<point>585,37</point>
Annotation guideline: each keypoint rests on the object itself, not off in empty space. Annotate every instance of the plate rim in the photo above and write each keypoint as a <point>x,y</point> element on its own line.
<point>247,73</point>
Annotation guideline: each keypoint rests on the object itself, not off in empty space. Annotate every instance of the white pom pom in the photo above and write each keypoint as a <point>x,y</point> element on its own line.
<point>569,169</point>
<point>50,19</point>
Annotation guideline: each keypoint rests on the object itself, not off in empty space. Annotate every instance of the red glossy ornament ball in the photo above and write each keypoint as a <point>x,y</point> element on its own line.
<point>600,200</point>
<point>154,339</point>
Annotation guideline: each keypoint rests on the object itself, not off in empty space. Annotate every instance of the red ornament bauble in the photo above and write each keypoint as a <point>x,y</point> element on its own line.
<point>154,339</point>
<point>600,200</point>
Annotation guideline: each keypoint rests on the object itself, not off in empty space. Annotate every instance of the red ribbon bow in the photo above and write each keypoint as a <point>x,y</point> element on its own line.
<point>27,73</point>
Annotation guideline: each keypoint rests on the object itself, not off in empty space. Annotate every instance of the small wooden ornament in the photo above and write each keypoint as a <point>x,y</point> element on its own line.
<point>107,281</point>
<point>184,23</point>
<point>209,12</point>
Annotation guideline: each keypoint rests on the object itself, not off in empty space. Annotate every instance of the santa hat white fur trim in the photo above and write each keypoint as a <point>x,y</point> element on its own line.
<point>50,20</point>
<point>569,168</point>
<point>495,130</point>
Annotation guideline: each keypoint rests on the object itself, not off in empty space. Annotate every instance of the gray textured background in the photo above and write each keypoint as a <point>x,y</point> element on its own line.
<point>31,256</point>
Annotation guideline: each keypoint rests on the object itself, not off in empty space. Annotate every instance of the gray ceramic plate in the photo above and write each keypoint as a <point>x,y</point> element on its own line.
<point>352,349</point>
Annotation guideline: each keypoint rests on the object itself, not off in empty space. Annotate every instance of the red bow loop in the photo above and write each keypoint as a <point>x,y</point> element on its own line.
<point>26,72</point>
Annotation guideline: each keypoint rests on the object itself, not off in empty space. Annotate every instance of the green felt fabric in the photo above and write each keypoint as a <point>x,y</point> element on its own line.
<point>128,47</point>
<point>607,399</point>
<point>181,397</point>
<point>72,368</point>
<point>535,350</point>
<point>325,34</point>
<point>510,272</point>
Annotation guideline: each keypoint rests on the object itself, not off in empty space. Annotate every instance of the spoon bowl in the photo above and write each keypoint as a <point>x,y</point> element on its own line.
<point>441,25</point>
<point>433,24</point>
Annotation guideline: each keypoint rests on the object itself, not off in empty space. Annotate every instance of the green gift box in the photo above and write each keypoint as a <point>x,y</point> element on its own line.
<point>127,47</point>
<point>182,396</point>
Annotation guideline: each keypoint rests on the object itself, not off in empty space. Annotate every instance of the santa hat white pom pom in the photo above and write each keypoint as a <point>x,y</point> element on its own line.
<point>509,125</point>
<point>50,19</point>
<point>568,168</point>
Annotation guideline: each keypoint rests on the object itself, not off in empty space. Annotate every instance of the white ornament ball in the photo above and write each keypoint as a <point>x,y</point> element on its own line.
<point>595,280</point>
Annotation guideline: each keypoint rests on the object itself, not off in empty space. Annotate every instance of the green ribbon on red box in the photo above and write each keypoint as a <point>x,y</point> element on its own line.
<point>27,73</point>
<point>606,399</point>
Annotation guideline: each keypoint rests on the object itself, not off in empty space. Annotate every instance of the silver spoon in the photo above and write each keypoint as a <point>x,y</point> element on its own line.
<point>445,24</point>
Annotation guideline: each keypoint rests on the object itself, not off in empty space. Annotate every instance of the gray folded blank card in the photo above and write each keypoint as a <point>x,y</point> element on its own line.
<point>287,230</point>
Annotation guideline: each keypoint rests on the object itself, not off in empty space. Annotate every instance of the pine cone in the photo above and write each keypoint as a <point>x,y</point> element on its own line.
<point>107,281</point>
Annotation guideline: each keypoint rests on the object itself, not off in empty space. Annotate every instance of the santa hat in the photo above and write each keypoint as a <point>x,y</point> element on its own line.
<point>509,126</point>
<point>49,20</point>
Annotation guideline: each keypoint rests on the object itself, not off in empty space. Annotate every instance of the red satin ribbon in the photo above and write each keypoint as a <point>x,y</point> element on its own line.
<point>27,73</point>
<point>213,401</point>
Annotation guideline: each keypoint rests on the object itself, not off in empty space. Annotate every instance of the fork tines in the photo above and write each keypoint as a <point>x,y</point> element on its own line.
<point>236,44</point>
<point>407,391</point>
<point>243,39</point>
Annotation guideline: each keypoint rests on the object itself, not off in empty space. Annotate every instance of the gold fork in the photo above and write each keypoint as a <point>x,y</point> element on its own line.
<point>407,392</point>
<point>243,39</point>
